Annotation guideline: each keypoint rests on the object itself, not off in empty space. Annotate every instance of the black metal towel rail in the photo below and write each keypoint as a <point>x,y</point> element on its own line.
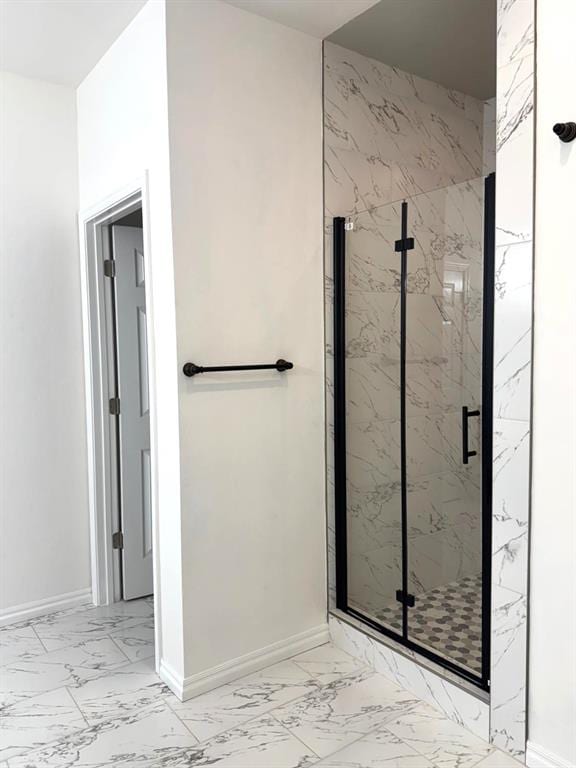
<point>191,369</point>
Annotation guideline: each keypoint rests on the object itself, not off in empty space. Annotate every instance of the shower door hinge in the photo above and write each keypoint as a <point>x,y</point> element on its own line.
<point>109,268</point>
<point>114,406</point>
<point>407,244</point>
<point>118,540</point>
<point>407,599</point>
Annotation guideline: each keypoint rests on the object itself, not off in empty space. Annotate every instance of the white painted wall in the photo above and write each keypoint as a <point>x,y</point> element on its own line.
<point>122,134</point>
<point>44,554</point>
<point>245,115</point>
<point>552,690</point>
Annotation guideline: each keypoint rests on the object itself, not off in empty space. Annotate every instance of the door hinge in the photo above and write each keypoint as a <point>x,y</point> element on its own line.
<point>408,600</point>
<point>407,244</point>
<point>114,406</point>
<point>109,268</point>
<point>118,540</point>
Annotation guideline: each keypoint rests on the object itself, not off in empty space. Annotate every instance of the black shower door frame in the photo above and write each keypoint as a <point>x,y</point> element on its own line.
<point>403,246</point>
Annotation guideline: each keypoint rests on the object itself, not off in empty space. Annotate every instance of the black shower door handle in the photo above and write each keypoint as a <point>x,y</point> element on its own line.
<point>466,414</point>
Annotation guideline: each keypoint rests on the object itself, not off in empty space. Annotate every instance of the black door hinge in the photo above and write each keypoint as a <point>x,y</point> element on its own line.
<point>109,268</point>
<point>114,406</point>
<point>407,244</point>
<point>118,540</point>
<point>408,599</point>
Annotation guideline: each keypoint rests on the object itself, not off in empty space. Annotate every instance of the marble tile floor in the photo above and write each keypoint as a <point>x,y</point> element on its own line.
<point>78,690</point>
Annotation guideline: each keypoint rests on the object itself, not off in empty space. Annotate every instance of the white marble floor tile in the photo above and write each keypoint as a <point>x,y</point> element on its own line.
<point>150,738</point>
<point>233,704</point>
<point>19,642</point>
<point>377,750</point>
<point>132,687</point>
<point>445,743</point>
<point>136,642</point>
<point>499,759</point>
<point>38,721</point>
<point>71,627</point>
<point>328,663</point>
<point>343,711</point>
<point>261,743</point>
<point>72,667</point>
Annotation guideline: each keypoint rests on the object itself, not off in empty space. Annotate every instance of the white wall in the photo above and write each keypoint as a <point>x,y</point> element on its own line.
<point>44,553</point>
<point>123,133</point>
<point>246,174</point>
<point>552,691</point>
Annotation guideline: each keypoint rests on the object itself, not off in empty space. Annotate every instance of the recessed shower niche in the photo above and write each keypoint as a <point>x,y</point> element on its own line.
<point>410,247</point>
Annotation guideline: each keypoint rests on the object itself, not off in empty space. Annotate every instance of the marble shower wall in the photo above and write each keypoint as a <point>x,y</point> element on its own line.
<point>391,135</point>
<point>512,371</point>
<point>387,135</point>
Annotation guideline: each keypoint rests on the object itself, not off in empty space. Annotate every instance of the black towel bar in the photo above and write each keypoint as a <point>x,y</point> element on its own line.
<point>191,369</point>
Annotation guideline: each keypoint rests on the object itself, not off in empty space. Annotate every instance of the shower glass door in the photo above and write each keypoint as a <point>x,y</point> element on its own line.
<point>413,288</point>
<point>372,301</point>
<point>444,320</point>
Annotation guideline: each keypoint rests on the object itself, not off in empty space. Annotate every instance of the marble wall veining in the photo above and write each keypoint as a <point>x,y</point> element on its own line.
<point>390,135</point>
<point>512,371</point>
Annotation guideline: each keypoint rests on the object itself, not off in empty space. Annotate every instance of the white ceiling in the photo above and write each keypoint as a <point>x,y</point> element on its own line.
<point>318,18</point>
<point>60,40</point>
<point>452,42</point>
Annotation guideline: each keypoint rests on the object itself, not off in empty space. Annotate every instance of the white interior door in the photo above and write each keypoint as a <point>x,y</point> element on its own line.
<point>134,419</point>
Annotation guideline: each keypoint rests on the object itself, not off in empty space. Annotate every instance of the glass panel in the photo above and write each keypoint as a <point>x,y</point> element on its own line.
<point>443,374</point>
<point>373,416</point>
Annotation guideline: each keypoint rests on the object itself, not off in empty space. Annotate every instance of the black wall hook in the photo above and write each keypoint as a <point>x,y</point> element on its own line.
<point>565,131</point>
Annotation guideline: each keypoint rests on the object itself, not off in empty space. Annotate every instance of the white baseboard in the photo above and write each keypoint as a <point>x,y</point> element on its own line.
<point>194,685</point>
<point>538,757</point>
<point>18,613</point>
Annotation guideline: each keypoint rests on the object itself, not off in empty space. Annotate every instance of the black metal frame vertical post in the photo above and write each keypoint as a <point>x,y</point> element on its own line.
<point>403,446</point>
<point>339,351</point>
<point>487,415</point>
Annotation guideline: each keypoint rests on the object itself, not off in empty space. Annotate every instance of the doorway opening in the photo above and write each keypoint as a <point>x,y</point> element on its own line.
<point>119,401</point>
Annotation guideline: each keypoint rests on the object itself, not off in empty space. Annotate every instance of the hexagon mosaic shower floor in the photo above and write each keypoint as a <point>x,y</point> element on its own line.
<point>78,690</point>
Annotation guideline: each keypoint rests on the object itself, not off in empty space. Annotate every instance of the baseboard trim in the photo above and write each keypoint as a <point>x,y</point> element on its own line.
<point>25,611</point>
<point>194,685</point>
<point>538,757</point>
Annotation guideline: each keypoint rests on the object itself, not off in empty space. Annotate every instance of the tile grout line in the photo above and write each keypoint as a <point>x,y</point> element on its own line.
<point>75,644</point>
<point>244,722</point>
<point>298,739</point>
<point>122,651</point>
<point>33,628</point>
<point>262,714</point>
<point>82,715</point>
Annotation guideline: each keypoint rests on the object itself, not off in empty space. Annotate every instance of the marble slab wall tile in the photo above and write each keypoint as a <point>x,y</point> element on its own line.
<point>512,372</point>
<point>458,704</point>
<point>388,135</point>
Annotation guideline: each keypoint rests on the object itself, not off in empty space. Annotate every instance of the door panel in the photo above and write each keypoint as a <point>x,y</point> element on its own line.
<point>132,351</point>
<point>444,375</point>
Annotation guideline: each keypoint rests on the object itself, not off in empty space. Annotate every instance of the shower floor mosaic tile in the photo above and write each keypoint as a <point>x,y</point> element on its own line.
<point>78,690</point>
<point>446,620</point>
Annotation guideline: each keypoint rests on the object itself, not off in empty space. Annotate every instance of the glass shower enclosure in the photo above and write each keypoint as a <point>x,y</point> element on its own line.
<point>413,349</point>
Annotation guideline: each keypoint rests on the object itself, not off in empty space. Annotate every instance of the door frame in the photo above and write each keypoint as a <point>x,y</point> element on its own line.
<point>98,371</point>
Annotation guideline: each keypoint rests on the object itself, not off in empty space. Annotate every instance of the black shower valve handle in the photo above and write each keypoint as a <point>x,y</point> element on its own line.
<point>565,131</point>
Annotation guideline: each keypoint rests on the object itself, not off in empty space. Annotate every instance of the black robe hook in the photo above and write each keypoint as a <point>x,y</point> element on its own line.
<point>565,131</point>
